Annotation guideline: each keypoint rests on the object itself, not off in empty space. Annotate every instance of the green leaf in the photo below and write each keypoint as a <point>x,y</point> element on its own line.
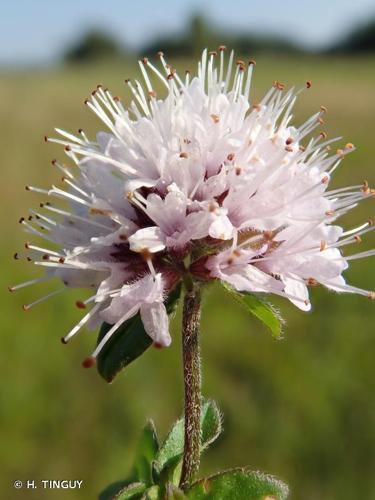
<point>110,491</point>
<point>238,484</point>
<point>148,447</point>
<point>152,493</point>
<point>172,449</point>
<point>128,343</point>
<point>260,308</point>
<point>133,490</point>
<point>211,423</point>
<point>174,493</point>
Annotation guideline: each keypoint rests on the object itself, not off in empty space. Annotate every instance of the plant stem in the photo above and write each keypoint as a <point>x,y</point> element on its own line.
<point>192,384</point>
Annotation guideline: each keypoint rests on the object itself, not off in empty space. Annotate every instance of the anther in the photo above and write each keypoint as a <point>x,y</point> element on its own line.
<point>80,304</point>
<point>238,170</point>
<point>89,362</point>
<point>123,237</point>
<point>215,118</point>
<point>323,245</point>
<point>16,256</point>
<point>61,260</point>
<point>230,157</point>
<point>157,345</point>
<point>308,84</point>
<point>330,212</point>
<point>152,93</point>
<point>325,179</point>
<point>21,220</point>
<point>349,145</point>
<point>45,257</point>
<point>289,141</point>
<point>323,109</point>
<point>183,155</point>
<point>160,53</point>
<point>357,238</point>
<point>321,121</point>
<point>278,85</point>
<point>252,62</point>
<point>222,48</point>
<point>212,53</point>
<point>27,188</point>
<point>312,282</point>
<point>63,341</point>
<point>45,138</point>
<point>67,148</point>
<point>323,135</point>
<point>371,295</point>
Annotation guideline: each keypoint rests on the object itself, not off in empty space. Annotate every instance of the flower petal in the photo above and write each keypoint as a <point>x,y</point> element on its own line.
<point>156,323</point>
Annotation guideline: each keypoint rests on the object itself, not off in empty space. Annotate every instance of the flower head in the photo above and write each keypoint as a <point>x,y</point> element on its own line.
<point>198,182</point>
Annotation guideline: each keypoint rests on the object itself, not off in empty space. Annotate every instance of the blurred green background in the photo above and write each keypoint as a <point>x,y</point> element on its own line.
<point>301,408</point>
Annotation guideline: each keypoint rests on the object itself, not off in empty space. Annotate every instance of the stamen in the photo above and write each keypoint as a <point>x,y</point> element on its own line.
<point>28,283</point>
<point>81,323</point>
<point>112,330</point>
<point>26,307</point>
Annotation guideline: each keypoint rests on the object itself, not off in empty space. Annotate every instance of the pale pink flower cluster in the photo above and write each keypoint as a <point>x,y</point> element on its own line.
<point>197,182</point>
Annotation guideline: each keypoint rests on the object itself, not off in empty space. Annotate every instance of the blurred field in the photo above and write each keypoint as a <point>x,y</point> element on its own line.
<point>302,408</point>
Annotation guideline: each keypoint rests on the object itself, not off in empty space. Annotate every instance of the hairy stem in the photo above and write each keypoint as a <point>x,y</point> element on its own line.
<point>192,385</point>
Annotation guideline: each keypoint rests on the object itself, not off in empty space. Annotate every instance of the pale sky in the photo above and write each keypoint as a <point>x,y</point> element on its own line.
<point>37,31</point>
